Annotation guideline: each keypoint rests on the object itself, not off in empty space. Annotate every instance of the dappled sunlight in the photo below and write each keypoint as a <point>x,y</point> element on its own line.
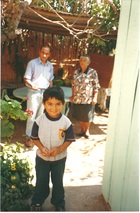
<point>85,159</point>
<point>85,163</point>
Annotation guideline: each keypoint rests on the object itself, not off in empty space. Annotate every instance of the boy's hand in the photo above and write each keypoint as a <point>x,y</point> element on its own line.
<point>54,151</point>
<point>45,152</point>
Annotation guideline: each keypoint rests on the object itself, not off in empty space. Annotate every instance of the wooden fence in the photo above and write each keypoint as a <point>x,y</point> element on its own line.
<point>65,52</point>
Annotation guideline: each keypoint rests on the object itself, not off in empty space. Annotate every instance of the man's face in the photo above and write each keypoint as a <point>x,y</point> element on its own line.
<point>44,54</point>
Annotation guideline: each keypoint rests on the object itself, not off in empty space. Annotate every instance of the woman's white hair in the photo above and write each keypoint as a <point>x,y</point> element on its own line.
<point>86,56</point>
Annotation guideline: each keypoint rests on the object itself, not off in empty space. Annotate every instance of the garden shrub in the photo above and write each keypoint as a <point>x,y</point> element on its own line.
<point>16,178</point>
<point>10,109</point>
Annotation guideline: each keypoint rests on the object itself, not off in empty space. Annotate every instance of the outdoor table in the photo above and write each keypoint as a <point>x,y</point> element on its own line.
<point>5,86</point>
<point>22,94</point>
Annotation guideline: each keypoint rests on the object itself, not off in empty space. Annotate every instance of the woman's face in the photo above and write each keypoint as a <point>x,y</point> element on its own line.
<point>84,62</point>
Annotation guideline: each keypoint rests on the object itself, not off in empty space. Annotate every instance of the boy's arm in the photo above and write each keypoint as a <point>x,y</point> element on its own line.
<point>56,150</point>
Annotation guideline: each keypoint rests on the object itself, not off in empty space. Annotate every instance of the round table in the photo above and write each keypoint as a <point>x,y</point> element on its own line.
<point>22,94</point>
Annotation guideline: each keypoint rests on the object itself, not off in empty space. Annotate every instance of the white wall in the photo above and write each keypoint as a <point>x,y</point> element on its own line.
<point>121,169</point>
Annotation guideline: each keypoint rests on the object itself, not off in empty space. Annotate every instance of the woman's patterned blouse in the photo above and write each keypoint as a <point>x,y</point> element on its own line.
<point>84,85</point>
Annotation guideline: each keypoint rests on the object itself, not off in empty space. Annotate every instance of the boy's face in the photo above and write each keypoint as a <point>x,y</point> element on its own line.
<point>53,107</point>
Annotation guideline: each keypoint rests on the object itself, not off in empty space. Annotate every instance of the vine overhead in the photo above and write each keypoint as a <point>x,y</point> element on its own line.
<point>95,21</point>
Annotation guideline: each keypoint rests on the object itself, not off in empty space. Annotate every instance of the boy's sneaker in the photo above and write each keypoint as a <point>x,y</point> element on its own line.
<point>36,208</point>
<point>59,209</point>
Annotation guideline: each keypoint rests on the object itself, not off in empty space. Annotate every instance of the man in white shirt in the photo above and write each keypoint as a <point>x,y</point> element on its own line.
<point>38,77</point>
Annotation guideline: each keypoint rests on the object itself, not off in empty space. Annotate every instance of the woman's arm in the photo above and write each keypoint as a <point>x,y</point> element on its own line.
<point>94,100</point>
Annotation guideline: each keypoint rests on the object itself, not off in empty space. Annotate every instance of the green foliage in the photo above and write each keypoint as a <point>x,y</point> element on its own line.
<point>16,179</point>
<point>10,109</point>
<point>7,128</point>
<point>58,82</point>
<point>105,15</point>
<point>106,18</point>
<point>102,46</point>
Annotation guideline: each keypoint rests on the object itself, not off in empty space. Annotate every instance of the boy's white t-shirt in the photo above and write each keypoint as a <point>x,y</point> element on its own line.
<point>52,132</point>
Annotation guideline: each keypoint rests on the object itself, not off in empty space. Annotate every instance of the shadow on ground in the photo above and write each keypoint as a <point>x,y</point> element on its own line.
<point>81,198</point>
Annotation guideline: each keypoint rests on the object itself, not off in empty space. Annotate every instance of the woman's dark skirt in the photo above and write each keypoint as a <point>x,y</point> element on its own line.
<point>83,112</point>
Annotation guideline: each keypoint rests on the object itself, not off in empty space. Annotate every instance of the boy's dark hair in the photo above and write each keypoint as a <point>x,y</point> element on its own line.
<point>54,92</point>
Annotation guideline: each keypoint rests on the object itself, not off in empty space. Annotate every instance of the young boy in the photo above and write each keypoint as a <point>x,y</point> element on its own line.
<point>52,133</point>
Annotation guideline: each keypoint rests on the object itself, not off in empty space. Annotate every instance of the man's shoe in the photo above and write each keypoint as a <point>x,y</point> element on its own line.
<point>86,136</point>
<point>59,209</point>
<point>80,134</point>
<point>29,143</point>
<point>83,134</point>
<point>36,208</point>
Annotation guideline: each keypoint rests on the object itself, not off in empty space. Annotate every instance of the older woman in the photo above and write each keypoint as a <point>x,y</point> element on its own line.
<point>85,87</point>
